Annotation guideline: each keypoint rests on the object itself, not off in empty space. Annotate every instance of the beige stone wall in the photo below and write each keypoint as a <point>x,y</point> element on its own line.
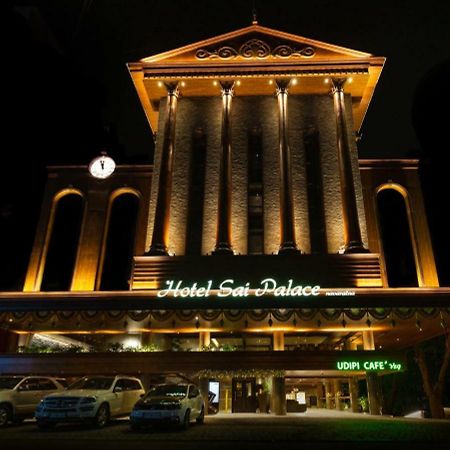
<point>304,112</point>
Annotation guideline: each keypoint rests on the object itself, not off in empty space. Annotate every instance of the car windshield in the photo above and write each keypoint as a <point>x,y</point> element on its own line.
<point>92,383</point>
<point>9,382</point>
<point>167,391</point>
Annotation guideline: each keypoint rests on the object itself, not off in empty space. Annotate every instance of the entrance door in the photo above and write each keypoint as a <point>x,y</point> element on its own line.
<point>244,395</point>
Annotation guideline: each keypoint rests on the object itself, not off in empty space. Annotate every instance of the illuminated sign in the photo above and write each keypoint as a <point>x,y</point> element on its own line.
<point>228,288</point>
<point>370,365</point>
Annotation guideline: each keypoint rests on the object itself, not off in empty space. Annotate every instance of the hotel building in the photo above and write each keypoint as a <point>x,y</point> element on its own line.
<point>252,253</point>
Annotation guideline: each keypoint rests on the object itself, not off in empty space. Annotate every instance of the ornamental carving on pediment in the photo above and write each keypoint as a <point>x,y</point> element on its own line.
<point>255,48</point>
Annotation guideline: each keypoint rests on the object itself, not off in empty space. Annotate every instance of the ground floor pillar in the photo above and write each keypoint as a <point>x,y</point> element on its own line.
<point>279,396</point>
<point>328,394</point>
<point>374,393</point>
<point>354,393</point>
<point>337,394</point>
<point>204,339</point>
<point>319,394</point>
<point>8,341</point>
<point>203,385</point>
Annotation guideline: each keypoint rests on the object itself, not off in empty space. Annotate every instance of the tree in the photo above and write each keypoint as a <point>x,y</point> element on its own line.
<point>434,391</point>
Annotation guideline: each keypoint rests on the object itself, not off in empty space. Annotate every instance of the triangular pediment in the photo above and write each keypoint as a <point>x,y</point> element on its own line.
<point>254,43</point>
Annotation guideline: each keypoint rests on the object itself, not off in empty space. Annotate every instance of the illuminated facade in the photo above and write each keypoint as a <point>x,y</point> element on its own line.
<point>257,241</point>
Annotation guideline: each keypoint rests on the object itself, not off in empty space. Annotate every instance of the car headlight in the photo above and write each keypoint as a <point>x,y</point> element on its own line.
<point>85,400</point>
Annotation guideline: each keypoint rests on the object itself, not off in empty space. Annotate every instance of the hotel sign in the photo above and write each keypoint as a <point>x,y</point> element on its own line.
<point>229,288</point>
<point>370,365</point>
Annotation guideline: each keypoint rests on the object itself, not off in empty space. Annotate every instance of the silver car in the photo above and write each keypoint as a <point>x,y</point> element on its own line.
<point>169,403</point>
<point>20,395</point>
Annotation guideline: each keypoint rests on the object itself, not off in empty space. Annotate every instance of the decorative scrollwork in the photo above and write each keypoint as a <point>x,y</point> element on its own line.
<point>255,48</point>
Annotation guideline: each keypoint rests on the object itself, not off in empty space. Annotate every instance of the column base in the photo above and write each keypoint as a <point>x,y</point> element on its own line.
<point>355,247</point>
<point>158,250</point>
<point>223,249</point>
<point>289,248</point>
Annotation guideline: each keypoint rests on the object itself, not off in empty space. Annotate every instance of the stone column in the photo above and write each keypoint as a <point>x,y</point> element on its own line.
<point>160,237</point>
<point>279,396</point>
<point>278,340</point>
<point>354,393</point>
<point>373,388</point>
<point>287,227</point>
<point>352,232</point>
<point>203,385</point>
<point>204,339</point>
<point>337,392</point>
<point>319,394</point>
<point>327,394</point>
<point>223,235</point>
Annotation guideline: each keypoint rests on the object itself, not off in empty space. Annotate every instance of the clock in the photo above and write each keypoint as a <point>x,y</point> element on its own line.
<point>102,167</point>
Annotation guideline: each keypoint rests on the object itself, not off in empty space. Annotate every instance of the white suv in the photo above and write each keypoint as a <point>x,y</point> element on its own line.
<point>93,399</point>
<point>20,395</point>
<point>169,403</point>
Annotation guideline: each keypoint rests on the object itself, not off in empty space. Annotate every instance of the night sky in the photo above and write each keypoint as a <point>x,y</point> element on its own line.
<point>68,93</point>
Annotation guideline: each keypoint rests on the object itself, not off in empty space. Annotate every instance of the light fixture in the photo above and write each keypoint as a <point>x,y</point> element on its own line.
<point>238,82</point>
<point>326,81</point>
<point>270,81</point>
<point>215,83</point>
<point>160,84</point>
<point>183,83</point>
<point>350,80</point>
<point>294,81</point>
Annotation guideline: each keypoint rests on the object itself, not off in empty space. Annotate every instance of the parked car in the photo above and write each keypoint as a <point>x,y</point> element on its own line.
<point>169,403</point>
<point>20,395</point>
<point>90,399</point>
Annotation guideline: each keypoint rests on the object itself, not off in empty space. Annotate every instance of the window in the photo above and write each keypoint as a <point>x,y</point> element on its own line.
<point>63,244</point>
<point>196,194</point>
<point>120,243</point>
<point>396,239</point>
<point>255,193</point>
<point>44,384</point>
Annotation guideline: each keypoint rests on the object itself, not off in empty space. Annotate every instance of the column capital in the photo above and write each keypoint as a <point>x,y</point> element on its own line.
<point>172,89</point>
<point>282,85</point>
<point>337,84</point>
<point>227,87</point>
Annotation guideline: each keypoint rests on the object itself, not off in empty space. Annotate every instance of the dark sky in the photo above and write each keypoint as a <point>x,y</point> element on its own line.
<point>68,93</point>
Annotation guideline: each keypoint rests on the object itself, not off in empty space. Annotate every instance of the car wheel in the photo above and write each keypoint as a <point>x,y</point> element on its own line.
<point>44,425</point>
<point>5,415</point>
<point>201,417</point>
<point>102,416</point>
<point>187,419</point>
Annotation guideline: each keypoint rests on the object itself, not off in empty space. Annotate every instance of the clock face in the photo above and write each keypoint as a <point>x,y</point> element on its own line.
<point>102,167</point>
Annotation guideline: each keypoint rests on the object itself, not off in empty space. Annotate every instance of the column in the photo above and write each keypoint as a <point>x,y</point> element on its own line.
<point>352,231</point>
<point>279,396</point>
<point>287,226</point>
<point>160,237</point>
<point>223,235</point>
<point>204,339</point>
<point>354,393</point>
<point>278,340</point>
<point>203,385</point>
<point>327,394</point>
<point>373,388</point>
<point>319,394</point>
<point>337,394</point>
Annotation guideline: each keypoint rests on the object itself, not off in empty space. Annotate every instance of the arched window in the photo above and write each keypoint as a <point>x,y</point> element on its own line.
<point>396,239</point>
<point>119,246</point>
<point>196,194</point>
<point>63,243</point>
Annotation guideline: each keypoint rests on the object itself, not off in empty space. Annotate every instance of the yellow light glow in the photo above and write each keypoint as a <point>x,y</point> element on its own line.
<point>160,84</point>
<point>270,81</point>
<point>183,83</point>
<point>294,81</point>
<point>350,80</point>
<point>326,81</point>
<point>238,82</point>
<point>215,83</point>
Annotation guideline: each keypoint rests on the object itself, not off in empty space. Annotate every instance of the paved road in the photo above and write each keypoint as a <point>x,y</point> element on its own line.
<point>250,431</point>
